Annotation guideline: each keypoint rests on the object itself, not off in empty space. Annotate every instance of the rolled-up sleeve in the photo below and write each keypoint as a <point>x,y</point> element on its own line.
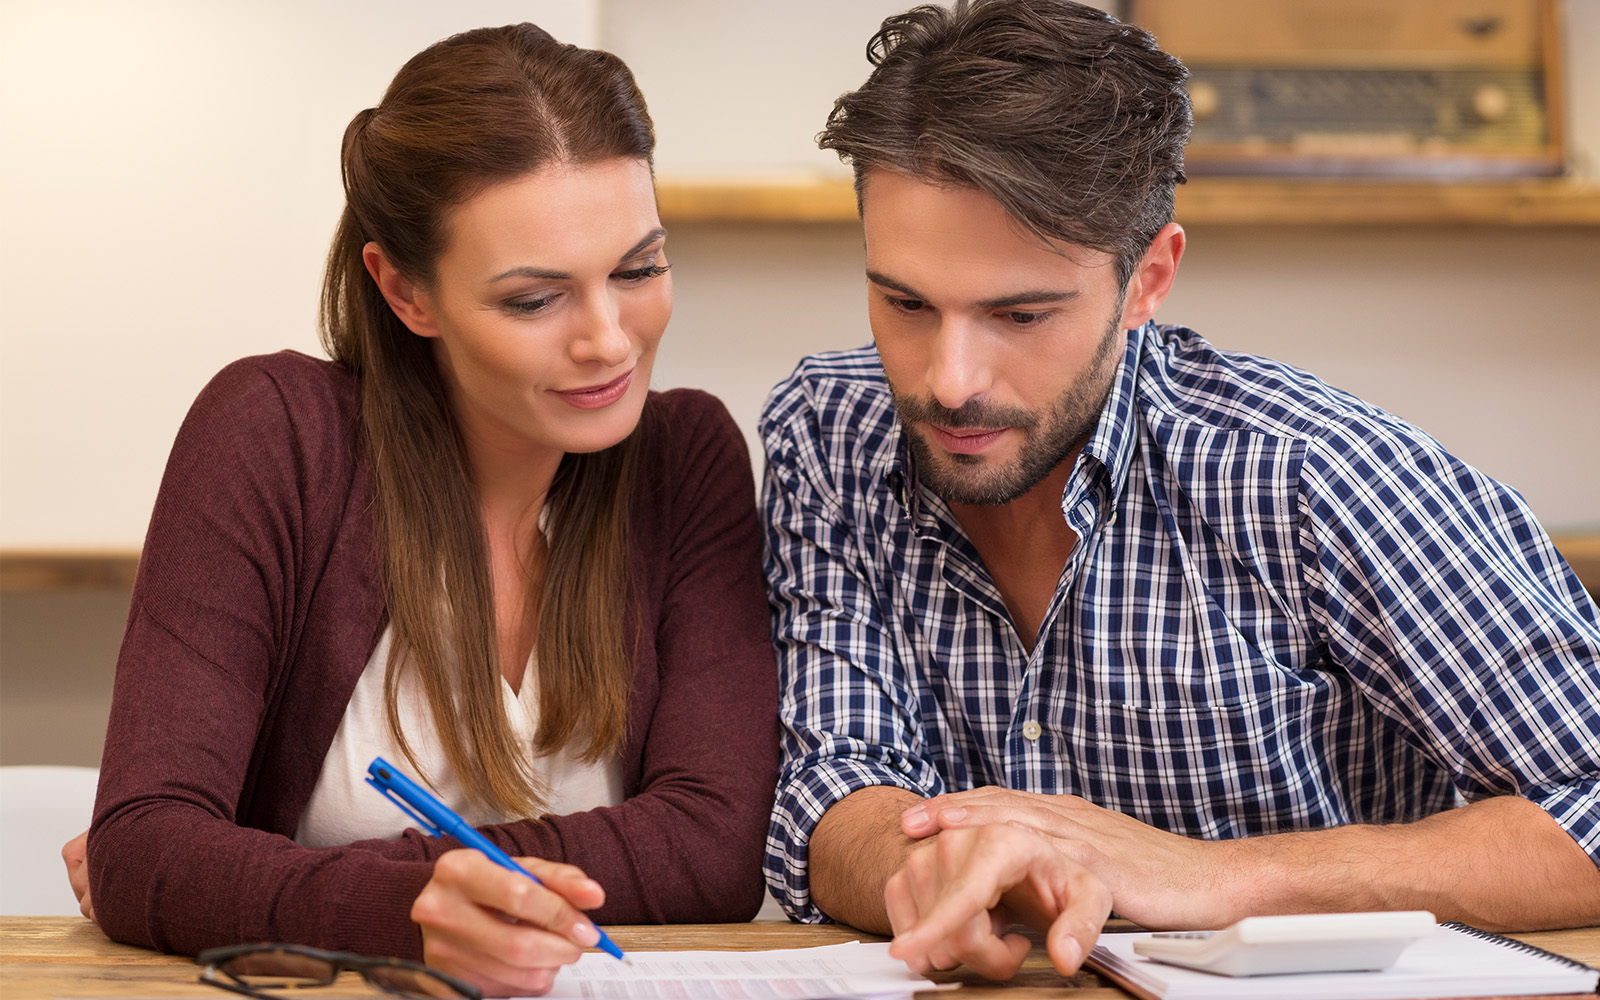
<point>1437,590</point>
<point>850,715</point>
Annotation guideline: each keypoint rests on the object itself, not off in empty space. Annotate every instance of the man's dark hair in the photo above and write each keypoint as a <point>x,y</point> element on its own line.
<point>1073,121</point>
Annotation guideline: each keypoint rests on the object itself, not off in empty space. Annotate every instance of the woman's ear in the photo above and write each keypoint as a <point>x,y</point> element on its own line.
<point>1153,278</point>
<point>409,302</point>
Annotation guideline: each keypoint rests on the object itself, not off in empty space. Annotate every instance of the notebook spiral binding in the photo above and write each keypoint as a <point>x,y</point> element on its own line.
<point>1531,949</point>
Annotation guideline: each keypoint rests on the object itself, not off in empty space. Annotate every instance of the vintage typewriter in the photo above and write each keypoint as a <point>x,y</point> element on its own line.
<point>1426,88</point>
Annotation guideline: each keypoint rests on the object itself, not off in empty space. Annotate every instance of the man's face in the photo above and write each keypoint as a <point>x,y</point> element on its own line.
<point>1000,351</point>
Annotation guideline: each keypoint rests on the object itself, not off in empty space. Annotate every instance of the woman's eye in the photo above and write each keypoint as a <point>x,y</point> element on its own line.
<point>527,307</point>
<point>643,273</point>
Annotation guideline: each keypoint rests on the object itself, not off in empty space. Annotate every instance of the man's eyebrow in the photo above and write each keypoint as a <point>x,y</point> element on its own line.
<point>542,272</point>
<point>1035,296</point>
<point>888,282</point>
<point>1040,296</point>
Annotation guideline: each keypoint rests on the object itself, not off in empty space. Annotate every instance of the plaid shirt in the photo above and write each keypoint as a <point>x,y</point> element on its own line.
<point>1287,610</point>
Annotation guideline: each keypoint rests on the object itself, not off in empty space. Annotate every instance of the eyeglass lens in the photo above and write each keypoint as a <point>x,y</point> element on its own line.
<point>283,969</point>
<point>279,969</point>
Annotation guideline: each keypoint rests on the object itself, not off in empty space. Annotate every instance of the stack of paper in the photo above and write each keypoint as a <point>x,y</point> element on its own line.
<point>1454,961</point>
<point>839,970</point>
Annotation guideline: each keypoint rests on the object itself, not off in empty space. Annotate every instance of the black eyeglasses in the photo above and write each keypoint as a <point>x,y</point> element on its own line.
<point>252,968</point>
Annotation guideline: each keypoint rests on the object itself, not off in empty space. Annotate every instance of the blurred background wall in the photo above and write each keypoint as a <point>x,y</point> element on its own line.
<point>170,184</point>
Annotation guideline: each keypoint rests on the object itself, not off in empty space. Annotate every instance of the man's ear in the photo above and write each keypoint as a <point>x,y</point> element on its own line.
<point>1152,279</point>
<point>412,304</point>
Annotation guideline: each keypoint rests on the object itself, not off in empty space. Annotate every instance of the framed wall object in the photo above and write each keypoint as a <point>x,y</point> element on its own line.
<point>1427,88</point>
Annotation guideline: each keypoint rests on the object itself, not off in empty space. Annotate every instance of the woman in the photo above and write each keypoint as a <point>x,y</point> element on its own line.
<point>474,544</point>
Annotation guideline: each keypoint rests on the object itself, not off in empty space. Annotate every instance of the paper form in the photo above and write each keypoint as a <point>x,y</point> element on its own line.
<point>840,970</point>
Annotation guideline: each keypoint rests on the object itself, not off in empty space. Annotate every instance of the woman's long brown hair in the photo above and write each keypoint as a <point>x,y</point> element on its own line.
<point>475,109</point>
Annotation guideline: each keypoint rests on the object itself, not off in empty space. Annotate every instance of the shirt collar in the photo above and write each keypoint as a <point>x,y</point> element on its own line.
<point>1110,446</point>
<point>901,475</point>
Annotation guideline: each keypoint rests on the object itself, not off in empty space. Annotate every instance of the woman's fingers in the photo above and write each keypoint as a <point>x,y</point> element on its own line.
<point>544,903</point>
<point>75,853</point>
<point>568,881</point>
<point>500,929</point>
<point>524,963</point>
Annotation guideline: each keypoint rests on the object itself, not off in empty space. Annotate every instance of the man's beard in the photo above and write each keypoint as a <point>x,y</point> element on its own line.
<point>1047,438</point>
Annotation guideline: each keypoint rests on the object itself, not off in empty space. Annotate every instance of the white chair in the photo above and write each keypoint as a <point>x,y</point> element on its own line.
<point>41,808</point>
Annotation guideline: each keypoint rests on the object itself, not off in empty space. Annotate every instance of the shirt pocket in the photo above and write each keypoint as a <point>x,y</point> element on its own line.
<point>1214,770</point>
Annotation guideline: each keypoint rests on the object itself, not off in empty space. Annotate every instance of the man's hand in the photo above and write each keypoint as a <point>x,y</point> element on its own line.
<point>501,931</point>
<point>75,853</point>
<point>1542,877</point>
<point>956,898</point>
<point>1156,878</point>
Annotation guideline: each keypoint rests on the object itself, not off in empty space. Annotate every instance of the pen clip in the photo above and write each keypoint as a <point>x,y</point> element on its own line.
<point>431,828</point>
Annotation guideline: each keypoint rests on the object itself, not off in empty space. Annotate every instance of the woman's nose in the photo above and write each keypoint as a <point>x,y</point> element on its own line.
<point>602,338</point>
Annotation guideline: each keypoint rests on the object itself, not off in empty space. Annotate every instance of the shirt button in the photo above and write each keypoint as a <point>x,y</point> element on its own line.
<point>1031,731</point>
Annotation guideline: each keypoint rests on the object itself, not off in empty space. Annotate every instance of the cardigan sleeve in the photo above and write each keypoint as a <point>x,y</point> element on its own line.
<point>254,486</point>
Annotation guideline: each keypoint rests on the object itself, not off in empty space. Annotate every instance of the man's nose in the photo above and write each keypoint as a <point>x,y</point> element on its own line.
<point>958,370</point>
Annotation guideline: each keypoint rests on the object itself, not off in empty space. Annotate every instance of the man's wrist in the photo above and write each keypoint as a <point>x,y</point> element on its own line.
<point>1272,874</point>
<point>855,848</point>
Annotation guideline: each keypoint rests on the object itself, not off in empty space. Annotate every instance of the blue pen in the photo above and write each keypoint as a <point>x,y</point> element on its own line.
<point>438,819</point>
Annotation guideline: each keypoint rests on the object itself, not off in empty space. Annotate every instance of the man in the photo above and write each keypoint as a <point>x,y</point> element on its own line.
<point>1077,612</point>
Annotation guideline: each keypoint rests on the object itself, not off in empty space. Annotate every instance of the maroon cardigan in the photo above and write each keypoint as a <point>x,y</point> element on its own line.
<point>256,608</point>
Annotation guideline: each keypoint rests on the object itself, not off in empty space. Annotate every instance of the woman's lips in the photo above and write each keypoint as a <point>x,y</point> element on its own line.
<point>966,440</point>
<point>596,396</point>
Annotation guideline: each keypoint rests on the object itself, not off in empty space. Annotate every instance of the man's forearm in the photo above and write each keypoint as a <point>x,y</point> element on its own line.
<point>1499,864</point>
<point>856,846</point>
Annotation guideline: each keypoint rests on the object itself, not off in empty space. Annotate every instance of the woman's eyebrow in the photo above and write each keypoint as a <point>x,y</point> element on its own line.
<point>529,271</point>
<point>649,238</point>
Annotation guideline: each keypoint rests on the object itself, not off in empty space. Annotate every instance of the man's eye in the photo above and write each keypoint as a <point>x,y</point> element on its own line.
<point>907,305</point>
<point>1026,318</point>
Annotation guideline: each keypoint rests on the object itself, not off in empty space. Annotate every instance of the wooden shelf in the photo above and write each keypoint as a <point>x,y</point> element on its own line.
<point>68,569</point>
<point>1207,201</point>
<point>38,569</point>
<point>756,199</point>
<point>1260,202</point>
<point>1582,553</point>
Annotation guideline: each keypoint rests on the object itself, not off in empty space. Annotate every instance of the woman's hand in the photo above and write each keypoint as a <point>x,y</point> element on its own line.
<point>75,853</point>
<point>500,931</point>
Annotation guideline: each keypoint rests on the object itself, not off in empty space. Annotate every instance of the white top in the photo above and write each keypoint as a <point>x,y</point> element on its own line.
<point>344,808</point>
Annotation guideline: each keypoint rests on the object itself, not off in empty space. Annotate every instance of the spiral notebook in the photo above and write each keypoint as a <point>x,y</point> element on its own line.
<point>1456,961</point>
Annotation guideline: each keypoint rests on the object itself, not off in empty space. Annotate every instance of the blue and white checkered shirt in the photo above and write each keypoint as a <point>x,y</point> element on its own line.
<point>1287,610</point>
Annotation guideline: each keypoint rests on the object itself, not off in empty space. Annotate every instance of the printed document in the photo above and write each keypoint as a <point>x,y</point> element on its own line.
<point>839,970</point>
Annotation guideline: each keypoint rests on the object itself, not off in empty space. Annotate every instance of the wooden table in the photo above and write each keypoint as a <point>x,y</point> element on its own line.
<point>45,957</point>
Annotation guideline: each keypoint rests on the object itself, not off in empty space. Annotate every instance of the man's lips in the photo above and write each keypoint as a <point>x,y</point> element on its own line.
<point>594,397</point>
<point>966,440</point>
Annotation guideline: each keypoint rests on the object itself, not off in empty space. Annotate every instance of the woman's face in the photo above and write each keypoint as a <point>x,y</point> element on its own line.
<point>546,308</point>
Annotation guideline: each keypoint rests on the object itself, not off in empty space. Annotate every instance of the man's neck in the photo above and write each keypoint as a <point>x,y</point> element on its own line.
<point>1024,545</point>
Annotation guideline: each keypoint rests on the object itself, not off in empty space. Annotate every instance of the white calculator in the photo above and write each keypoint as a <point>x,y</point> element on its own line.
<point>1306,942</point>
